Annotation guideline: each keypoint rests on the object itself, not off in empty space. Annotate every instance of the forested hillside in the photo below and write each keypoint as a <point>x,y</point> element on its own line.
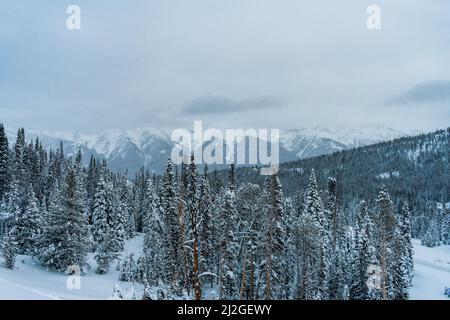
<point>414,169</point>
<point>333,227</point>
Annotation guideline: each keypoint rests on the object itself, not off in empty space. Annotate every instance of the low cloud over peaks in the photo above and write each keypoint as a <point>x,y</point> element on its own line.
<point>211,104</point>
<point>432,92</point>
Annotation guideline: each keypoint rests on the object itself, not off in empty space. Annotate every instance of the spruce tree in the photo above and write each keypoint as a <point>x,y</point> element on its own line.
<point>9,250</point>
<point>169,207</point>
<point>314,209</point>
<point>103,228</point>
<point>28,224</point>
<point>4,164</point>
<point>250,211</point>
<point>364,250</point>
<point>274,266</point>
<point>229,246</point>
<point>206,229</point>
<point>155,268</point>
<point>66,240</point>
<point>385,226</point>
<point>194,219</point>
<point>402,269</point>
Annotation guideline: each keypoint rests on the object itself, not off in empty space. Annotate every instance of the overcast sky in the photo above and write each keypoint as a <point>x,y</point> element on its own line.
<point>231,63</point>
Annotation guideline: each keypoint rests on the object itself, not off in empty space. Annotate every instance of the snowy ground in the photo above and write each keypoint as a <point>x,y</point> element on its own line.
<point>432,272</point>
<point>31,281</point>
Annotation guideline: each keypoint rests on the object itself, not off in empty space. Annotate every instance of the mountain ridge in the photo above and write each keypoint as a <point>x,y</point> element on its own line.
<point>149,147</point>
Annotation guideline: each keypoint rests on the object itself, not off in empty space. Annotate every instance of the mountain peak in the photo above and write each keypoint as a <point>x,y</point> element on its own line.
<point>150,147</point>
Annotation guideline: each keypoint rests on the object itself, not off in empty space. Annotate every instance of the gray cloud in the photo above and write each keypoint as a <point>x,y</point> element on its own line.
<point>431,92</point>
<point>211,104</point>
<point>138,65</point>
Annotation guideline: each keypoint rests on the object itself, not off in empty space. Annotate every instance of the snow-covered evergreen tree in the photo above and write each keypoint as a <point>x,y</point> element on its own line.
<point>66,240</point>
<point>313,208</point>
<point>364,250</point>
<point>194,223</point>
<point>154,240</point>
<point>274,266</point>
<point>249,208</point>
<point>385,235</point>
<point>206,229</point>
<point>403,267</point>
<point>103,226</point>
<point>5,162</point>
<point>9,250</point>
<point>432,235</point>
<point>28,224</point>
<point>126,211</point>
<point>229,247</point>
<point>169,208</point>
<point>128,269</point>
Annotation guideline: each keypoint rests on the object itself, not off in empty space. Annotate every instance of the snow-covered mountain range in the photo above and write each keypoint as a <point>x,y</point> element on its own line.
<point>132,149</point>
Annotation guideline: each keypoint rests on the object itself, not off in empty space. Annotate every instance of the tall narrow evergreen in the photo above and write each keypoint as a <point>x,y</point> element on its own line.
<point>229,242</point>
<point>103,228</point>
<point>364,252</point>
<point>402,254</point>
<point>206,228</point>
<point>155,249</point>
<point>314,209</point>
<point>274,266</point>
<point>9,248</point>
<point>194,217</point>
<point>4,164</point>
<point>169,203</point>
<point>386,226</point>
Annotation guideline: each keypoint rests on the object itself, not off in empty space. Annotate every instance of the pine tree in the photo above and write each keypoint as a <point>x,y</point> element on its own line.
<point>386,226</point>
<point>4,164</point>
<point>445,229</point>
<point>19,160</point>
<point>9,250</point>
<point>91,184</point>
<point>10,209</point>
<point>66,238</point>
<point>406,241</point>
<point>274,265</point>
<point>399,270</point>
<point>154,244</point>
<point>249,208</point>
<point>193,206</point>
<point>206,231</point>
<point>169,202</point>
<point>314,209</point>
<point>308,253</point>
<point>28,224</point>
<point>128,269</point>
<point>229,248</point>
<point>431,237</point>
<point>119,221</point>
<point>103,228</point>
<point>364,251</point>
<point>126,211</point>
<point>403,268</point>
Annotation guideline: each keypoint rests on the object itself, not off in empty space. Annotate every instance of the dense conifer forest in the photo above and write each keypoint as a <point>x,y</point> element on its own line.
<point>334,227</point>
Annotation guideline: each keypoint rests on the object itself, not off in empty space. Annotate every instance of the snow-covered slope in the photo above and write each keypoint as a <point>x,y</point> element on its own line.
<point>132,149</point>
<point>30,281</point>
<point>307,143</point>
<point>432,272</point>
